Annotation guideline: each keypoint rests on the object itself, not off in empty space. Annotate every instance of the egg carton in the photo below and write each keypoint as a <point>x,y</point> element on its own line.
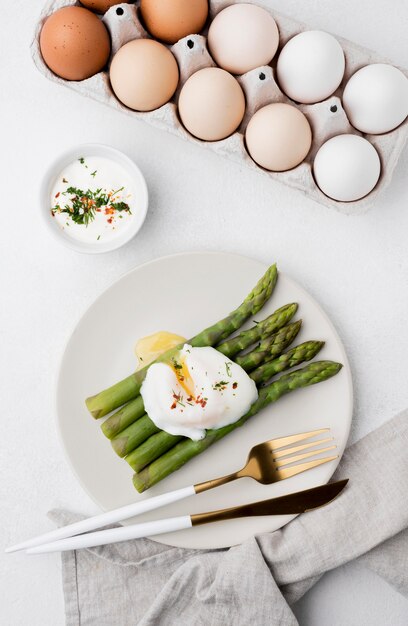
<point>326,118</point>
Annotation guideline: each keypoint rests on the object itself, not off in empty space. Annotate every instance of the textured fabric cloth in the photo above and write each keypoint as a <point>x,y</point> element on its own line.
<point>149,584</point>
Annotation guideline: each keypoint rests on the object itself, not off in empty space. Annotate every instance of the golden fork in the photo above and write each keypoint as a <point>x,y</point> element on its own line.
<point>268,462</point>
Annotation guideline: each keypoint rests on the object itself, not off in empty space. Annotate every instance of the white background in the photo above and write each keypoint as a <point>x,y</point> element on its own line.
<point>357,268</point>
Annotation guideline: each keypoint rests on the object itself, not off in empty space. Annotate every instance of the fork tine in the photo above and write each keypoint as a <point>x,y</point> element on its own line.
<point>285,441</point>
<point>298,469</point>
<point>304,446</point>
<point>300,457</point>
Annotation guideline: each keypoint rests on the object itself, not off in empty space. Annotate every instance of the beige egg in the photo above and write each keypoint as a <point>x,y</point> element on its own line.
<point>144,74</point>
<point>278,137</point>
<point>74,43</point>
<point>211,104</point>
<point>243,37</point>
<point>171,20</point>
<point>101,6</point>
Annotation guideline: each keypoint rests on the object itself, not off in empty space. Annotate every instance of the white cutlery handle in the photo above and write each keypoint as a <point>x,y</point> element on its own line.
<point>114,535</point>
<point>104,519</point>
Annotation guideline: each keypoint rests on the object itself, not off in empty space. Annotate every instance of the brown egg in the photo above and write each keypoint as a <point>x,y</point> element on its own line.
<point>101,6</point>
<point>144,74</point>
<point>74,43</point>
<point>175,19</point>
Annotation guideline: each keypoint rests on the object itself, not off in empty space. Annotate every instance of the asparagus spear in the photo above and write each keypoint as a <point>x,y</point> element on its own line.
<point>270,347</point>
<point>263,329</point>
<point>151,449</point>
<point>123,418</point>
<point>128,414</point>
<point>133,436</point>
<point>187,449</point>
<point>301,353</point>
<point>158,443</point>
<point>106,401</point>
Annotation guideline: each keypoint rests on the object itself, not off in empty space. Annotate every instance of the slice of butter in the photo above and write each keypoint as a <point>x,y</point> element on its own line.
<point>149,348</point>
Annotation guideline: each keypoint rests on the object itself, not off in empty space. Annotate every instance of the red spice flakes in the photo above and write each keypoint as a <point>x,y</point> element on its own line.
<point>178,400</point>
<point>57,195</point>
<point>110,220</point>
<point>201,401</point>
<point>234,385</point>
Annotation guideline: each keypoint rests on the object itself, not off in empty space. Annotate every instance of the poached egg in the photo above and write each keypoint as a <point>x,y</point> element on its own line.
<point>198,390</point>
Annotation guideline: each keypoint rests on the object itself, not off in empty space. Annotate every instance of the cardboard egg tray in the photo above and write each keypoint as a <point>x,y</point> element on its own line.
<point>327,118</point>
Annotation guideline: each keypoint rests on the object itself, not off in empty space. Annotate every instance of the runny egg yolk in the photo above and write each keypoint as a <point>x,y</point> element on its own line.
<point>184,377</point>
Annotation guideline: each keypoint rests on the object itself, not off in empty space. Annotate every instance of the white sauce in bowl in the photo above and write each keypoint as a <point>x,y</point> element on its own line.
<point>93,199</point>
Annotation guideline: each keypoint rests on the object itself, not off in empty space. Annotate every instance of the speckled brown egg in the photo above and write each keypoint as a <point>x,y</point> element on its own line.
<point>171,21</point>
<point>101,6</point>
<point>74,43</point>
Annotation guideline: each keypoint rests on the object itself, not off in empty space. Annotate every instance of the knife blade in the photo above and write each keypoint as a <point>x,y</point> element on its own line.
<point>291,504</point>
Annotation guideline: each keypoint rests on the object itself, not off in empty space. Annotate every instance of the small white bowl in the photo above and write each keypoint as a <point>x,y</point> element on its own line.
<point>88,150</point>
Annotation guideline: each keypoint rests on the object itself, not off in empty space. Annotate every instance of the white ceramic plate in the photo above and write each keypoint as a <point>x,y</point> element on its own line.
<point>184,294</point>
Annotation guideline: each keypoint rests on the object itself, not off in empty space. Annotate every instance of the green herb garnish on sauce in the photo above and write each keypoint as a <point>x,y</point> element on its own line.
<point>85,204</point>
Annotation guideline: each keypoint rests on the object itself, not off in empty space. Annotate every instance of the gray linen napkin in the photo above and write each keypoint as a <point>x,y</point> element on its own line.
<point>146,583</point>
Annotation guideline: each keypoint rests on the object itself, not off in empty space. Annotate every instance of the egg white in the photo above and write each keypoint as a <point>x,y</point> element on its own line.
<point>200,389</point>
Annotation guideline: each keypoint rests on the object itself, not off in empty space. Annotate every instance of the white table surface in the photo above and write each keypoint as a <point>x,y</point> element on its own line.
<point>357,267</point>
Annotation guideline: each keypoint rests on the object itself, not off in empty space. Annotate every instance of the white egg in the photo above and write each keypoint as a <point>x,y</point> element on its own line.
<point>376,98</point>
<point>200,390</point>
<point>311,66</point>
<point>347,167</point>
